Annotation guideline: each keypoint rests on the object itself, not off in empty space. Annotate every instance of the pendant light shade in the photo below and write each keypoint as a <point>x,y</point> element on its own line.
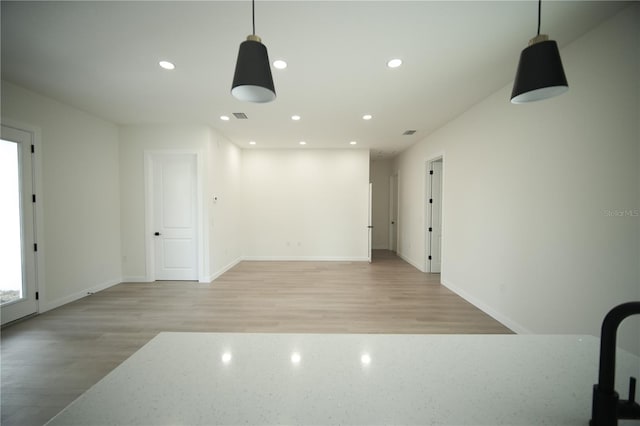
<point>252,81</point>
<point>540,74</point>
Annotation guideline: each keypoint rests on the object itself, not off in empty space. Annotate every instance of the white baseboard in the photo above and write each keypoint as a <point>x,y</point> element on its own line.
<point>135,279</point>
<point>411,262</point>
<point>221,271</point>
<point>305,259</point>
<point>503,319</point>
<point>47,306</point>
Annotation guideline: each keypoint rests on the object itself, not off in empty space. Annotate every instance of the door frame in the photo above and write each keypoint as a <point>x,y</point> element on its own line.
<point>37,213</point>
<point>427,211</point>
<point>201,252</point>
<point>394,198</point>
<point>370,224</point>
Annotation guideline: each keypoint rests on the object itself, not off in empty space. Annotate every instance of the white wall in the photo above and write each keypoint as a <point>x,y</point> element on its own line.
<point>528,190</point>
<point>221,163</point>
<point>225,229</point>
<point>380,173</point>
<point>306,204</point>
<point>80,200</point>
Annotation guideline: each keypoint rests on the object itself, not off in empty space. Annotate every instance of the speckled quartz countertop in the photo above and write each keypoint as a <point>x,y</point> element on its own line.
<point>364,379</point>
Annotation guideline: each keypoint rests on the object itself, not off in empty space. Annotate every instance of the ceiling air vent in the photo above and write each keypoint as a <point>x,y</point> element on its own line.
<point>240,115</point>
<point>408,132</point>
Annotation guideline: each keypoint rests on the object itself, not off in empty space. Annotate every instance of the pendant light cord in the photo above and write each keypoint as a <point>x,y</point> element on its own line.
<point>253,16</point>
<point>539,13</point>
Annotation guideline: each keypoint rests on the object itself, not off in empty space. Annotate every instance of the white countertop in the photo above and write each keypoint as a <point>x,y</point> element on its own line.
<point>238,378</point>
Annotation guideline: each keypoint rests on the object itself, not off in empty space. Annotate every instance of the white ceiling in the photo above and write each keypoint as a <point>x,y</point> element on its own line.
<point>102,57</point>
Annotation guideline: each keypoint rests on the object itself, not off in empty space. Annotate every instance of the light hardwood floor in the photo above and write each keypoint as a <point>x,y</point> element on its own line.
<point>49,360</point>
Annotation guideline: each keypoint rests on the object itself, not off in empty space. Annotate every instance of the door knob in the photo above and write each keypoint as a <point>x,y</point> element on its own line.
<point>156,234</point>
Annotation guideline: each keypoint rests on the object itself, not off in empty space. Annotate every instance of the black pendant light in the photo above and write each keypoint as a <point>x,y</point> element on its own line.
<point>540,74</point>
<point>252,80</point>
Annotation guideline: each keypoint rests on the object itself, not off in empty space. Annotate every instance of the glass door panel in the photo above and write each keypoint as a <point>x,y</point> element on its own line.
<point>11,277</point>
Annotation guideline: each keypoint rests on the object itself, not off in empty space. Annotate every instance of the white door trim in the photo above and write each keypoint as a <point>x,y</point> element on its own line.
<point>201,252</point>
<point>427,214</point>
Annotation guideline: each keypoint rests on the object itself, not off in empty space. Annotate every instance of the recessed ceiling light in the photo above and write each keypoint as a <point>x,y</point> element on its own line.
<point>353,142</point>
<point>252,142</point>
<point>367,117</point>
<point>226,357</point>
<point>224,117</point>
<point>394,63</point>
<point>166,65</point>
<point>279,64</point>
<point>295,117</point>
<point>296,358</point>
<point>303,143</point>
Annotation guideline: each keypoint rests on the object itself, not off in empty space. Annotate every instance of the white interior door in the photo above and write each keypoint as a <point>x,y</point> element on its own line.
<point>393,213</point>
<point>370,225</point>
<point>435,226</point>
<point>18,288</point>
<point>175,216</point>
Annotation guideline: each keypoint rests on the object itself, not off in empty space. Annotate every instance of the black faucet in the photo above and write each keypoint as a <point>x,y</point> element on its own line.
<point>607,407</point>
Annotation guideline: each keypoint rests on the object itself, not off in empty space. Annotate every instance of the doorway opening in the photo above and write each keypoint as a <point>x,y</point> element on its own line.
<point>434,215</point>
